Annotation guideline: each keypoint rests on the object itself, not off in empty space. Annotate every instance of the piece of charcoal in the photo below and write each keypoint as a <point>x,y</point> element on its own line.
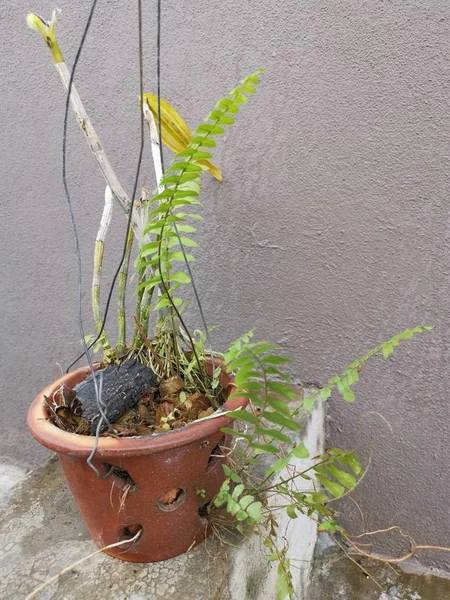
<point>122,386</point>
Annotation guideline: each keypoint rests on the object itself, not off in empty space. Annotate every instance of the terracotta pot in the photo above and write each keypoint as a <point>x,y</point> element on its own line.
<point>153,485</point>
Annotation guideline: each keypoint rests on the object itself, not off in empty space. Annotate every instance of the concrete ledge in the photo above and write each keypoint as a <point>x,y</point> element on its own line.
<point>9,477</point>
<point>41,533</point>
<point>336,577</point>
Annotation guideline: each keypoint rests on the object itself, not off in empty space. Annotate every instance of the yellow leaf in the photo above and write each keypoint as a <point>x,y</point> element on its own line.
<point>47,31</point>
<point>213,169</point>
<point>175,133</point>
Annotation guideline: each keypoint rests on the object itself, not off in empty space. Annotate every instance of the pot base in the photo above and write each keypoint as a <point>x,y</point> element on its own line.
<point>162,496</point>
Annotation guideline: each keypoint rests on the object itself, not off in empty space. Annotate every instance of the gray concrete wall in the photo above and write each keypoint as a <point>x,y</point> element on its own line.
<point>330,232</point>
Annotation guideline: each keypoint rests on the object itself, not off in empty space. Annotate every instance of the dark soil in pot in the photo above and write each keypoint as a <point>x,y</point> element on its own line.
<point>136,403</point>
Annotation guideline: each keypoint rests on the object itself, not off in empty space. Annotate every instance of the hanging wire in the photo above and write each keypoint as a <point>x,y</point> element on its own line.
<point>98,386</point>
<point>183,250</point>
<point>133,197</point>
<point>188,267</point>
<point>133,200</point>
<point>71,213</point>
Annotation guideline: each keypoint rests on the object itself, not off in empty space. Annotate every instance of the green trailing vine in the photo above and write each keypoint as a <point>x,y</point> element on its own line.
<point>270,428</point>
<point>350,376</point>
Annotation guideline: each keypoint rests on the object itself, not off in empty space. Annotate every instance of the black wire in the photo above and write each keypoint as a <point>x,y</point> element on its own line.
<point>100,404</point>
<point>136,181</point>
<point>194,287</point>
<point>70,207</point>
<point>158,79</point>
<point>133,197</point>
<point>183,250</point>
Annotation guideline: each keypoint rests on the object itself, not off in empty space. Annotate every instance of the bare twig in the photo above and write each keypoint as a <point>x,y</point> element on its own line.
<point>387,530</point>
<point>123,276</point>
<point>413,547</point>
<point>97,149</point>
<point>124,495</point>
<point>98,262</point>
<point>47,31</point>
<point>356,562</point>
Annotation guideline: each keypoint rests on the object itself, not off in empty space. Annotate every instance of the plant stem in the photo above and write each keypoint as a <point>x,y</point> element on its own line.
<point>144,296</point>
<point>253,434</point>
<point>157,163</point>
<point>123,276</point>
<point>154,137</point>
<point>47,31</point>
<point>149,346</point>
<point>142,315</point>
<point>98,262</point>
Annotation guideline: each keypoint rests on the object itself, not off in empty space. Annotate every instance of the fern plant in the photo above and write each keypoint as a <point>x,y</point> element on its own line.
<point>171,214</point>
<point>270,429</point>
<point>162,226</point>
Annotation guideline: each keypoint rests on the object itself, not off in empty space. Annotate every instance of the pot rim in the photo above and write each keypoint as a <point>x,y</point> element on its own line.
<point>49,435</point>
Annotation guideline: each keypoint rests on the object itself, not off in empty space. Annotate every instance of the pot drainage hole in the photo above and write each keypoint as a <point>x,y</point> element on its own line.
<point>122,477</point>
<point>216,453</point>
<point>203,510</point>
<point>172,499</point>
<point>130,531</point>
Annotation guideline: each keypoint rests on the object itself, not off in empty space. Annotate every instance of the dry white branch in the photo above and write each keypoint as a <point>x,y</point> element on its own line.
<point>154,138</point>
<point>98,151</point>
<point>98,263</point>
<point>143,309</point>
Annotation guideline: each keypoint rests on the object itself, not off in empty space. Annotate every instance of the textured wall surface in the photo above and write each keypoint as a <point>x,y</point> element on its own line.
<point>330,231</point>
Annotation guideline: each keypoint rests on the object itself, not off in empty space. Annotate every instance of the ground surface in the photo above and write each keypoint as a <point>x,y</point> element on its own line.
<point>335,577</point>
<point>9,476</point>
<point>41,533</point>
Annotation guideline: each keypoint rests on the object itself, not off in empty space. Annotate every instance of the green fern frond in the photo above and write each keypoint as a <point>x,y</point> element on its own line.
<point>350,375</point>
<point>172,208</point>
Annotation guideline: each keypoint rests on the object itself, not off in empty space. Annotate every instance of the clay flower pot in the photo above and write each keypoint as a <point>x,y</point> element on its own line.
<point>153,482</point>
